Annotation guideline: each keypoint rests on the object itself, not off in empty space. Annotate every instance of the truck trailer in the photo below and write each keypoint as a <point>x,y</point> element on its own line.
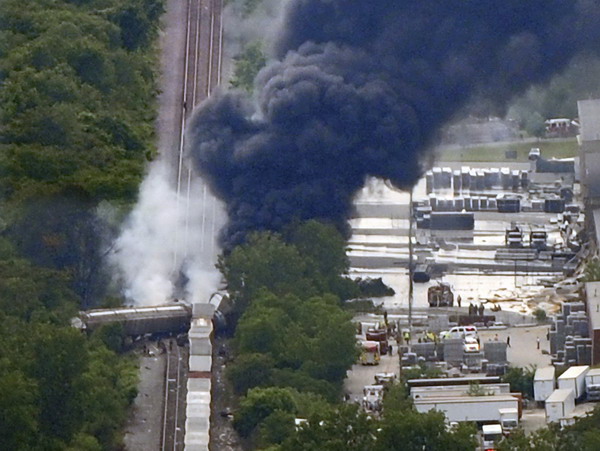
<point>480,409</point>
<point>560,404</point>
<point>574,379</point>
<point>543,383</point>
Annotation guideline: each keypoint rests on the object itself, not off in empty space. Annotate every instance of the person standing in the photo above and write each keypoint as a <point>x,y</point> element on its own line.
<point>458,300</point>
<point>508,341</point>
<point>538,342</point>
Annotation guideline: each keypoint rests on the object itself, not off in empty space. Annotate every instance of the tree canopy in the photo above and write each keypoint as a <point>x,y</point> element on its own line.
<point>77,91</point>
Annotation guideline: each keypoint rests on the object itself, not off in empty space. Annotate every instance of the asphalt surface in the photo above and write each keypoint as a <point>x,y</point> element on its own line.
<point>143,428</point>
<point>523,350</point>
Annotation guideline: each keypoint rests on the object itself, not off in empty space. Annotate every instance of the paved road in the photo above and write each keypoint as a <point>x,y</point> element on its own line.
<point>143,429</point>
<point>523,350</point>
<point>361,375</point>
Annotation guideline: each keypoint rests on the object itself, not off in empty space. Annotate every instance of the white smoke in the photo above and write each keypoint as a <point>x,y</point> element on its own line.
<point>168,236</point>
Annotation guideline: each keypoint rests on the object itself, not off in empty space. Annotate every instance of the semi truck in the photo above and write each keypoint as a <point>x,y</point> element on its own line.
<point>574,379</point>
<point>479,409</point>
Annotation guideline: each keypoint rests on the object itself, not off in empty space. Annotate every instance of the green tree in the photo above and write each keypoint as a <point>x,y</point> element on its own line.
<point>266,261</point>
<point>247,65</point>
<point>344,428</point>
<point>278,426</point>
<point>258,405</point>
<point>409,430</point>
<point>249,371</point>
<point>592,271</point>
<point>520,380</point>
<point>324,249</point>
<point>18,410</point>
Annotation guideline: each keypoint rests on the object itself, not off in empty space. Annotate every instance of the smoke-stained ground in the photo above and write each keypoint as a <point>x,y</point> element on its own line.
<point>361,88</point>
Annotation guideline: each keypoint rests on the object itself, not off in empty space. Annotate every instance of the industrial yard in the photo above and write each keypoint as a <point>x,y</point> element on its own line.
<point>496,245</point>
<point>474,257</point>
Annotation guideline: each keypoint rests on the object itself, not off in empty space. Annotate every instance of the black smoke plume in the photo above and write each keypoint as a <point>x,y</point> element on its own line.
<point>360,89</point>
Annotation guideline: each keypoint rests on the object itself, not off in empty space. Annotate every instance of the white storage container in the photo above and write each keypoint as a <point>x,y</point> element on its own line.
<point>543,383</point>
<point>574,378</point>
<point>559,404</point>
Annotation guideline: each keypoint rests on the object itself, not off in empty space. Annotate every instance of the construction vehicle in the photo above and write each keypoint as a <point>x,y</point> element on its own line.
<point>440,295</point>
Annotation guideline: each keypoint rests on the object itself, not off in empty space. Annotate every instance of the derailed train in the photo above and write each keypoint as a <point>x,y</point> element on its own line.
<point>199,321</point>
<point>168,319</point>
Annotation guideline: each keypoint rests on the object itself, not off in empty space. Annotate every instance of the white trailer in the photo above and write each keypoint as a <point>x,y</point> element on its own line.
<point>560,404</point>
<point>543,383</point>
<point>592,384</point>
<point>574,378</point>
<point>447,391</point>
<point>483,409</point>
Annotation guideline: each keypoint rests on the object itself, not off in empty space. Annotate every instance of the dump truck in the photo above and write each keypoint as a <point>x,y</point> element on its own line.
<point>440,295</point>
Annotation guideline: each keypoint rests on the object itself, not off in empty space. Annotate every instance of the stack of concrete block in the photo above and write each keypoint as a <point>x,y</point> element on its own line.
<point>569,336</point>
<point>473,360</point>
<point>454,350</point>
<point>426,350</point>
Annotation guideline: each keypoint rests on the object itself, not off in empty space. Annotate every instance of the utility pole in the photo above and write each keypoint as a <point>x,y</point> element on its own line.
<point>410,268</point>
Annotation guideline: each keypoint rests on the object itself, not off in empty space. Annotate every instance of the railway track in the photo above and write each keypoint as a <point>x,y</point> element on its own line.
<point>202,65</point>
<point>201,75</point>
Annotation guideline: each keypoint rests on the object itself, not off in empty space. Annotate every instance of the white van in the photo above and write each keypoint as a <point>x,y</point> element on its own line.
<point>460,332</point>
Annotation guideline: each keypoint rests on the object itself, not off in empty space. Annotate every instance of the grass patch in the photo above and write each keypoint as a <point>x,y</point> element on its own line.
<point>495,152</point>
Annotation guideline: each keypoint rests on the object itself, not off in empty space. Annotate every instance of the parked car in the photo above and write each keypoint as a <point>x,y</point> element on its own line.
<point>471,344</point>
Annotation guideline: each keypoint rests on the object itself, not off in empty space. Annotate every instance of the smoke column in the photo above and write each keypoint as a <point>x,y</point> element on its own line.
<point>167,247</point>
<point>360,88</point>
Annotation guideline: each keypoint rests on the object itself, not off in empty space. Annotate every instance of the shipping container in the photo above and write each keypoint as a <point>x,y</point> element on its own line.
<point>452,221</point>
